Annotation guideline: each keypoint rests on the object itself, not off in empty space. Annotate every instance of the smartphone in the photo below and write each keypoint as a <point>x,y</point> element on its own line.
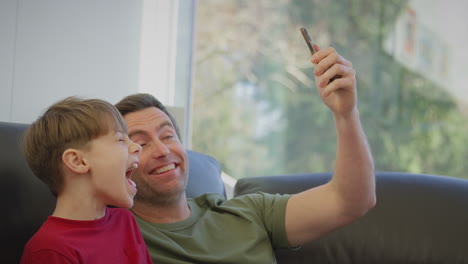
<point>308,40</point>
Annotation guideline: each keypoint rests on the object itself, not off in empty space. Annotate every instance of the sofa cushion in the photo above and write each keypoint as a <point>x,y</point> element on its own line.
<point>26,200</point>
<point>418,219</point>
<point>204,175</point>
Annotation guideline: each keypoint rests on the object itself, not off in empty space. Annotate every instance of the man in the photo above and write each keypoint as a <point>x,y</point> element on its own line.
<point>210,229</point>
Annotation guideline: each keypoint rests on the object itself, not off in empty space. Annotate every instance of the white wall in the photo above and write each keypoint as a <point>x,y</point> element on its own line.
<point>51,49</point>
<point>7,44</point>
<point>64,47</point>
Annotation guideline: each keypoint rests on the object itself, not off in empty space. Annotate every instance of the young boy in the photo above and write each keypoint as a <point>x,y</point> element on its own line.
<point>81,150</point>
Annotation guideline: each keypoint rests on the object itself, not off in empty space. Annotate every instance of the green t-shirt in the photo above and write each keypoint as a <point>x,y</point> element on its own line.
<point>243,229</point>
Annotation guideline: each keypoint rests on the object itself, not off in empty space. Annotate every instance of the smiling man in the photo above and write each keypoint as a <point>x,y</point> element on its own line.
<point>246,229</point>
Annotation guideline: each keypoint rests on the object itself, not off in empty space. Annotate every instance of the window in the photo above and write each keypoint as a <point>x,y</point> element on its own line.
<point>165,56</point>
<point>255,106</point>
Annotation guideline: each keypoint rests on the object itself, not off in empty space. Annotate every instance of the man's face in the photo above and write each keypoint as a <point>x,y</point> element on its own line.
<point>162,174</point>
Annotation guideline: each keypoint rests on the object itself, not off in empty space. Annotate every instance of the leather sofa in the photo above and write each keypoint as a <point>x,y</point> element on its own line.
<point>418,218</point>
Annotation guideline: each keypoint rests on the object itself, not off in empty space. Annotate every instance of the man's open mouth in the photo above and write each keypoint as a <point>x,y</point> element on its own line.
<point>163,169</point>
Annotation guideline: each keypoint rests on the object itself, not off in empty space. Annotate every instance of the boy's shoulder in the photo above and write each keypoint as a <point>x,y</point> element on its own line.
<point>58,233</point>
<point>43,241</point>
<point>61,227</point>
<point>65,239</point>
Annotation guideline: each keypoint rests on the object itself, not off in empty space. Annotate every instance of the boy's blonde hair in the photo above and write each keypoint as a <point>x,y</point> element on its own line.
<point>69,123</point>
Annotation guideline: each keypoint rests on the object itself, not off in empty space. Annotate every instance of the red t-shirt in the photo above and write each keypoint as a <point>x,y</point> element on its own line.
<point>115,238</point>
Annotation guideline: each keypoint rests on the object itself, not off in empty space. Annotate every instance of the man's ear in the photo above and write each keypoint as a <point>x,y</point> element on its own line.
<point>74,160</point>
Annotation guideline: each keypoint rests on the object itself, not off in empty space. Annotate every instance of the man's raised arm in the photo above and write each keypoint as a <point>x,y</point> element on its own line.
<point>351,192</point>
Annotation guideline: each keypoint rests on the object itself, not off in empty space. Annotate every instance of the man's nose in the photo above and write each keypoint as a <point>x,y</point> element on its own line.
<point>159,149</point>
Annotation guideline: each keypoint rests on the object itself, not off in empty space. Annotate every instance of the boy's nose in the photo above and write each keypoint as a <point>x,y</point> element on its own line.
<point>135,148</point>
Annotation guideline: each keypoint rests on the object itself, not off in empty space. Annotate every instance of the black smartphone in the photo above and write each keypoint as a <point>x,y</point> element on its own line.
<point>308,40</point>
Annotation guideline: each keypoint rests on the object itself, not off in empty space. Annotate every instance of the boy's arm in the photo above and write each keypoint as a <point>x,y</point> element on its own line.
<point>351,192</point>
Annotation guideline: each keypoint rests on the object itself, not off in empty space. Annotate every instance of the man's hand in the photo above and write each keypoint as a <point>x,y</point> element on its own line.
<point>338,94</point>
<point>351,192</point>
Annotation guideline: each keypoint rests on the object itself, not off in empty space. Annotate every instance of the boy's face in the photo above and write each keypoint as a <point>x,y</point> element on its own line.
<point>162,174</point>
<point>111,159</point>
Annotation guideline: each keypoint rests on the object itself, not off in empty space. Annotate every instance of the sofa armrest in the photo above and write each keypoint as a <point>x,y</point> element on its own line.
<point>418,219</point>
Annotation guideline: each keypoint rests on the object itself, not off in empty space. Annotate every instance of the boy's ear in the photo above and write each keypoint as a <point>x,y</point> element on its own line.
<point>74,160</point>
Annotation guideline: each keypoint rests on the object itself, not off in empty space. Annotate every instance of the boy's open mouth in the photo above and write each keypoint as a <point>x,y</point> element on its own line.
<point>130,170</point>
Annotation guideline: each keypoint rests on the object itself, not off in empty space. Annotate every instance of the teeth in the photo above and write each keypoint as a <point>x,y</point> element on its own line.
<point>135,165</point>
<point>132,183</point>
<point>165,168</point>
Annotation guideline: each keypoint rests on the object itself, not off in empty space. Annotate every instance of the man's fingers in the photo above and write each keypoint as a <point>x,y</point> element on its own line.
<point>326,59</point>
<point>324,63</point>
<point>336,69</point>
<point>317,48</point>
<point>341,83</point>
<point>320,54</point>
<point>335,72</point>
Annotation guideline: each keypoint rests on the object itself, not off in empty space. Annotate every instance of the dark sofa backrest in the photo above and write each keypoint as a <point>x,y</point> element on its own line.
<point>417,219</point>
<point>27,201</point>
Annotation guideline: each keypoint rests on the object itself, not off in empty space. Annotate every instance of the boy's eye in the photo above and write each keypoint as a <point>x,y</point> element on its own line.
<point>142,144</point>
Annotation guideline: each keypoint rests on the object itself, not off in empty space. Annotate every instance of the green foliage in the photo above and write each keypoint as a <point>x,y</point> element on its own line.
<point>256,108</point>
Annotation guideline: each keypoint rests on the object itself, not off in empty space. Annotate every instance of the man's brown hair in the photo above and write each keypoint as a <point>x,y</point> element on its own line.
<point>140,101</point>
<point>69,123</point>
